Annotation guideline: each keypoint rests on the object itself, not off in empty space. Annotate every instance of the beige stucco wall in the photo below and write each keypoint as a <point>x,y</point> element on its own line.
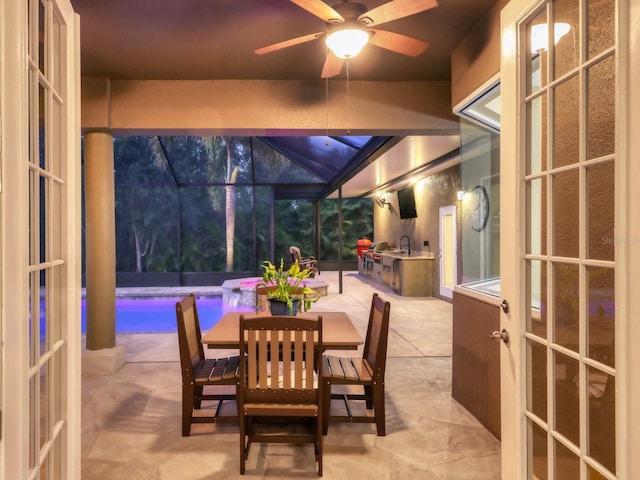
<point>435,191</point>
<point>267,107</point>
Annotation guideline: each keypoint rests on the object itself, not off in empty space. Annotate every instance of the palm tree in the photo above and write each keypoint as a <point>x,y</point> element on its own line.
<point>230,203</point>
<point>217,147</point>
<point>222,160</point>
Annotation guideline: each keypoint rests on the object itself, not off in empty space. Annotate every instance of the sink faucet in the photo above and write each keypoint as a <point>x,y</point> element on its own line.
<point>408,244</point>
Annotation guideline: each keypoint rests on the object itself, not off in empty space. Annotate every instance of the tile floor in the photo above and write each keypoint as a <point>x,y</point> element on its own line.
<point>131,426</point>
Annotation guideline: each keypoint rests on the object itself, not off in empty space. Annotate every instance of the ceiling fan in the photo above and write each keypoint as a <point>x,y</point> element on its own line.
<point>354,17</point>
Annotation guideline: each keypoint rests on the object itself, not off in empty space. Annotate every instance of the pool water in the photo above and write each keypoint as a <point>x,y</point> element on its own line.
<point>159,314</point>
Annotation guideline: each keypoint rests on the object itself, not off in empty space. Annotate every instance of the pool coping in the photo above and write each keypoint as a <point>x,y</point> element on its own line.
<point>235,292</point>
<point>166,292</point>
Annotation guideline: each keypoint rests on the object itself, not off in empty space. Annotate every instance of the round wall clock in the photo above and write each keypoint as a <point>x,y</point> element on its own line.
<point>479,208</point>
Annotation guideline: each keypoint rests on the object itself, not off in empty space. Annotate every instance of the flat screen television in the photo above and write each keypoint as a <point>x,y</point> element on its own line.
<point>407,203</point>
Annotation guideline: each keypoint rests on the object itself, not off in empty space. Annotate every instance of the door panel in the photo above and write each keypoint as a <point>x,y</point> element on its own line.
<point>41,307</point>
<point>448,248</point>
<point>559,163</point>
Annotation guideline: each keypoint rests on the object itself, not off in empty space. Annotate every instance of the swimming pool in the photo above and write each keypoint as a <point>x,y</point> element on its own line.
<point>144,315</point>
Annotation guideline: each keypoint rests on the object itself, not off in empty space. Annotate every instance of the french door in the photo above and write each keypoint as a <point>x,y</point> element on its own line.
<point>448,249</point>
<point>566,144</point>
<point>40,238</point>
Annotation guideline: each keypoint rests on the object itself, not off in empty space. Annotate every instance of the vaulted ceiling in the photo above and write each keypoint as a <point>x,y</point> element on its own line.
<point>216,39</point>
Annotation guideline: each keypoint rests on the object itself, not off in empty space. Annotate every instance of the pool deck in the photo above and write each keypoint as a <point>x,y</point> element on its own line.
<point>131,420</point>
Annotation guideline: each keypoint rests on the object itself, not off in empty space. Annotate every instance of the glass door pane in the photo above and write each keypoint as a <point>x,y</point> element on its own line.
<point>50,35</point>
<point>569,189</point>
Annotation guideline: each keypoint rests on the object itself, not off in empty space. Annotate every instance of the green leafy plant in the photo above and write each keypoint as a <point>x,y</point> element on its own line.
<point>288,284</point>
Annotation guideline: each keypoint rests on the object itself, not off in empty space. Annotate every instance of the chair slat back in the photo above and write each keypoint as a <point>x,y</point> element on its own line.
<point>189,334</point>
<point>375,347</point>
<point>295,253</point>
<point>262,293</point>
<point>309,263</point>
<point>295,339</point>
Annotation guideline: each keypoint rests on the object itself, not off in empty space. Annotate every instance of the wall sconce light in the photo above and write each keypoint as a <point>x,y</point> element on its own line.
<point>460,195</point>
<point>382,201</point>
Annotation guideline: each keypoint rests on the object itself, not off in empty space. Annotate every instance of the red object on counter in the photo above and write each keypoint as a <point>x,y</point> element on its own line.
<point>363,245</point>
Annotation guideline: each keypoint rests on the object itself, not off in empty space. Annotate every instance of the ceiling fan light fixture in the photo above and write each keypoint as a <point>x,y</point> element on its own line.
<point>348,42</point>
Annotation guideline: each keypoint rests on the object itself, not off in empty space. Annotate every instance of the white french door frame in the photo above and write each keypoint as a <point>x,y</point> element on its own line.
<point>627,232</point>
<point>627,241</point>
<point>56,454</point>
<point>15,239</point>
<point>452,246</point>
<point>512,280</point>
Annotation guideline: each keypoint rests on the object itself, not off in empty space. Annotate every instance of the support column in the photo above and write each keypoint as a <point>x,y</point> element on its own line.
<point>101,356</point>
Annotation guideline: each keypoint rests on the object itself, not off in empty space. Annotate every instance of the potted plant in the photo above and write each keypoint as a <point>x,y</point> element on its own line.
<point>287,288</point>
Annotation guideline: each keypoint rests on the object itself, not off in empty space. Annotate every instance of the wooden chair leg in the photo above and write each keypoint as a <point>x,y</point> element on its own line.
<point>188,395</point>
<point>243,451</point>
<point>378,402</point>
<point>197,401</point>
<point>326,406</point>
<point>319,427</point>
<point>368,393</point>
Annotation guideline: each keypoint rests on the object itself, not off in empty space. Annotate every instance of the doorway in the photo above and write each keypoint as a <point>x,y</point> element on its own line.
<point>448,249</point>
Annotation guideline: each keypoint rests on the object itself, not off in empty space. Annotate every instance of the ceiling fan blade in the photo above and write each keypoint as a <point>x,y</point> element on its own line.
<point>289,43</point>
<point>320,9</point>
<point>332,65</point>
<point>398,43</point>
<point>394,10</point>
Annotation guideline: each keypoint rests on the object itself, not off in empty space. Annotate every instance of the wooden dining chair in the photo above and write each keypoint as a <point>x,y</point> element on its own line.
<point>309,263</point>
<point>367,371</point>
<point>199,372</point>
<point>279,401</point>
<point>262,293</point>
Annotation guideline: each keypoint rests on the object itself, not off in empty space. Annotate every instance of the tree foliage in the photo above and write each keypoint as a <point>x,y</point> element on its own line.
<point>205,204</point>
<point>357,221</point>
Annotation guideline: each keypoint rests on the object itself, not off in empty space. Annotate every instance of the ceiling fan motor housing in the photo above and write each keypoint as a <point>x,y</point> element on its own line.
<point>350,11</point>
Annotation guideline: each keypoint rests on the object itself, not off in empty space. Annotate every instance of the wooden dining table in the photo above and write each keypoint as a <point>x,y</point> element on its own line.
<point>338,332</point>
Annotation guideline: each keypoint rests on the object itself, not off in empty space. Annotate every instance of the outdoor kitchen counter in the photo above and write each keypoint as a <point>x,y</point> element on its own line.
<point>405,256</point>
<point>408,275</point>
